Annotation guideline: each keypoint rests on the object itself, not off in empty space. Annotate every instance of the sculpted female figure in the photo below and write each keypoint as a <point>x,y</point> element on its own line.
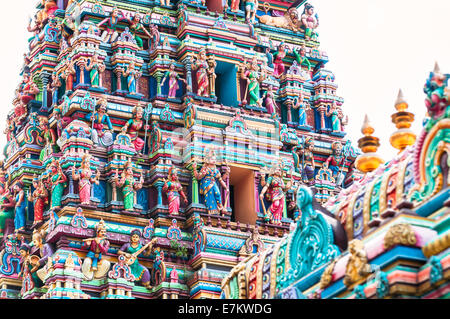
<point>309,21</point>
<point>208,177</point>
<point>133,126</point>
<point>269,96</point>
<point>277,193</point>
<point>201,66</point>
<point>58,181</point>
<point>95,68</point>
<point>28,89</point>
<point>130,186</point>
<point>20,206</point>
<point>333,112</point>
<point>132,75</point>
<point>100,119</point>
<point>308,160</point>
<point>7,205</point>
<point>86,178</point>
<point>131,251</point>
<point>278,62</point>
<point>173,81</point>
<point>94,265</point>
<point>135,27</point>
<point>174,190</point>
<point>253,77</point>
<point>39,197</point>
<point>49,136</point>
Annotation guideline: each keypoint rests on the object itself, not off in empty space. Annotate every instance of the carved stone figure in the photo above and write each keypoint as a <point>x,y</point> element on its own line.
<point>174,191</point>
<point>86,178</point>
<point>130,186</point>
<point>357,265</point>
<point>94,265</point>
<point>39,197</point>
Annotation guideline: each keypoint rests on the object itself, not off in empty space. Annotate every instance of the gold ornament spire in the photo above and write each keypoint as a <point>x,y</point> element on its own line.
<point>402,119</point>
<point>369,160</point>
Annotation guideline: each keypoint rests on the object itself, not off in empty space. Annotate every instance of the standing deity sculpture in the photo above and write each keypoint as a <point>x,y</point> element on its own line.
<point>69,74</point>
<point>310,22</point>
<point>132,74</point>
<point>20,200</point>
<point>49,137</point>
<point>203,73</point>
<point>253,77</point>
<point>269,98</point>
<point>48,9</point>
<point>173,77</point>
<point>28,89</point>
<point>7,205</point>
<point>134,126</point>
<point>94,265</point>
<point>57,181</point>
<point>308,163</point>
<point>275,189</point>
<point>86,177</point>
<point>39,197</point>
<point>95,68</point>
<point>131,251</point>
<point>301,58</point>
<point>278,63</point>
<point>29,264</point>
<point>174,190</point>
<point>102,127</point>
<point>209,176</point>
<point>251,6</point>
<point>129,184</point>
<point>110,34</point>
<point>54,87</point>
<point>335,161</point>
<point>336,117</point>
<point>155,36</point>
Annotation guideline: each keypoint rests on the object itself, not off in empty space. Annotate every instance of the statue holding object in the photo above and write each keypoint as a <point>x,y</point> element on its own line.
<point>208,176</point>
<point>20,201</point>
<point>95,68</point>
<point>131,251</point>
<point>110,34</point>
<point>173,77</point>
<point>310,22</point>
<point>129,184</point>
<point>7,205</point>
<point>203,73</point>
<point>94,265</point>
<point>132,74</point>
<point>137,26</point>
<point>336,160</point>
<point>86,177</point>
<point>100,119</point>
<point>336,116</point>
<point>253,77</point>
<point>57,181</point>
<point>39,197</point>
<point>275,189</point>
<point>45,251</point>
<point>134,126</point>
<point>174,190</point>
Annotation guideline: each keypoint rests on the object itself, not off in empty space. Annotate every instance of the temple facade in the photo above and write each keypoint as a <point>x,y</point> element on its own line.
<point>152,146</point>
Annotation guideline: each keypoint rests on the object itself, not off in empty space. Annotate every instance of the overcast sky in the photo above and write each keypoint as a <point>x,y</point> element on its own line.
<point>375,47</point>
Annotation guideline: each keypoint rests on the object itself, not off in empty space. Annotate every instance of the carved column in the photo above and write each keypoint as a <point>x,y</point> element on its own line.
<point>188,67</point>
<point>159,185</point>
<point>118,79</point>
<point>158,76</point>
<point>45,80</point>
<point>257,201</point>
<point>194,190</point>
<point>321,110</point>
<point>225,194</point>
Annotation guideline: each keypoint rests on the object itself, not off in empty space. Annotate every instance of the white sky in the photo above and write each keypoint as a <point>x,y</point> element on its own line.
<point>375,47</point>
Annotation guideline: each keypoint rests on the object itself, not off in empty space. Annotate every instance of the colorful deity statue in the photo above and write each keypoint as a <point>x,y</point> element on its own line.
<point>132,74</point>
<point>251,6</point>
<point>437,97</point>
<point>95,68</point>
<point>310,22</point>
<point>279,55</point>
<point>137,26</point>
<point>173,77</point>
<point>49,137</point>
<point>308,161</point>
<point>336,160</point>
<point>275,189</point>
<point>28,89</point>
<point>20,201</point>
<point>102,126</point>
<point>68,74</point>
<point>57,181</point>
<point>203,71</point>
<point>49,8</point>
<point>209,176</point>
<point>94,265</point>
<point>129,184</point>
<point>54,87</point>
<point>301,58</point>
<point>133,126</point>
<point>86,177</point>
<point>234,7</point>
<point>155,36</point>
<point>189,113</point>
<point>110,34</point>
<point>336,116</point>
<point>131,251</point>
<point>45,251</point>
<point>253,77</point>
<point>174,190</point>
<point>29,265</point>
<point>39,197</point>
<point>269,99</point>
<point>7,205</point>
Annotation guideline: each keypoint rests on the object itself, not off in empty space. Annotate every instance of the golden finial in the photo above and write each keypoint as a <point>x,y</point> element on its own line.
<point>402,119</point>
<point>368,144</point>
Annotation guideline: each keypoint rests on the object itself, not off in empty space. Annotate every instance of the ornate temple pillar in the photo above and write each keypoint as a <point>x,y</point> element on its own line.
<point>257,201</point>
<point>188,67</point>
<point>225,195</point>
<point>321,110</point>
<point>45,80</point>
<point>118,79</point>
<point>159,185</point>
<point>158,76</point>
<point>194,190</point>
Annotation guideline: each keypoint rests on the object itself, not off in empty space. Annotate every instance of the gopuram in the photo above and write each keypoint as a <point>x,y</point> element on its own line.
<point>196,149</point>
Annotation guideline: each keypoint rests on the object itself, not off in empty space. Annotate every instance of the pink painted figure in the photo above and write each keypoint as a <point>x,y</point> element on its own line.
<point>28,90</point>
<point>133,126</point>
<point>278,65</point>
<point>39,197</point>
<point>276,193</point>
<point>269,98</point>
<point>86,178</point>
<point>202,67</point>
<point>174,190</point>
<point>173,81</point>
<point>174,276</point>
